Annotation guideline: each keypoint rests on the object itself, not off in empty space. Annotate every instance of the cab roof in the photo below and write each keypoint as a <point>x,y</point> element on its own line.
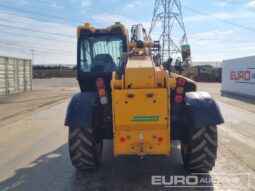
<point>113,29</point>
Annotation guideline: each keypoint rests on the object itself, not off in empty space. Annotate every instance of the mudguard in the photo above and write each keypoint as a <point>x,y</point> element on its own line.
<point>202,110</point>
<point>80,110</point>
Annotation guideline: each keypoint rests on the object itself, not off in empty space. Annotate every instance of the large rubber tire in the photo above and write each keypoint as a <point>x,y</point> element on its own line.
<point>199,150</point>
<point>85,151</point>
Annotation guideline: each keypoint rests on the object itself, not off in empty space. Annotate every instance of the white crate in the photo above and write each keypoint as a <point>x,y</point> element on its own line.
<point>15,75</point>
<point>238,76</point>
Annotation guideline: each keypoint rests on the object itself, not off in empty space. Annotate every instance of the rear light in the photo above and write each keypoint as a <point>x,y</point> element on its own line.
<point>178,99</point>
<point>122,139</point>
<point>180,90</point>
<point>101,92</point>
<point>100,83</point>
<point>181,82</point>
<point>103,100</point>
<point>160,139</point>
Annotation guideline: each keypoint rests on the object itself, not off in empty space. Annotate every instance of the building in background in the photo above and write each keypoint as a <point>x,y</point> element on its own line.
<point>215,64</point>
<point>238,76</point>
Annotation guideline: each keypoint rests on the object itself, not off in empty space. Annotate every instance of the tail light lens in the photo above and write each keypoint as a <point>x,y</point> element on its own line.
<point>122,139</point>
<point>180,90</point>
<point>181,81</point>
<point>160,139</point>
<point>178,99</point>
<point>100,83</point>
<point>101,91</point>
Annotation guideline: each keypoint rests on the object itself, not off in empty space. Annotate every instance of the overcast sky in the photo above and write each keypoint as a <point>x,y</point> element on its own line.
<point>216,29</point>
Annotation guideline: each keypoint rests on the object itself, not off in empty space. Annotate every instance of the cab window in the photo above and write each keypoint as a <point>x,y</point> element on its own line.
<point>100,54</point>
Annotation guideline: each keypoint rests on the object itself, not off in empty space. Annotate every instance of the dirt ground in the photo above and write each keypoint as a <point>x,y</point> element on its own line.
<point>49,92</point>
<point>46,93</point>
<point>215,90</point>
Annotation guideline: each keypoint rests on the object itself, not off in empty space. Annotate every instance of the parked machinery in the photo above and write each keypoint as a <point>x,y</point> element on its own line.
<point>140,106</point>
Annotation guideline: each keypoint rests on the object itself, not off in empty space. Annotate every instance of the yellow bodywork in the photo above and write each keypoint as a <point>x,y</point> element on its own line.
<point>141,109</point>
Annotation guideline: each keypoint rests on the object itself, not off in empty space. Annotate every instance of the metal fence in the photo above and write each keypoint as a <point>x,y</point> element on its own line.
<point>15,75</point>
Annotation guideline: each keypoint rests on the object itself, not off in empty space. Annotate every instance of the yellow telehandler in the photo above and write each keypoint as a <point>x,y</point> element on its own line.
<point>127,98</point>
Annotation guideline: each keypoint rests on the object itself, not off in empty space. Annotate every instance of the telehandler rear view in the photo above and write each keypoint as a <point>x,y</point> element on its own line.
<point>128,98</point>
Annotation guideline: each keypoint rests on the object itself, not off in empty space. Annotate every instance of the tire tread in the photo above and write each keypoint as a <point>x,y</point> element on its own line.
<point>202,149</point>
<point>82,145</point>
